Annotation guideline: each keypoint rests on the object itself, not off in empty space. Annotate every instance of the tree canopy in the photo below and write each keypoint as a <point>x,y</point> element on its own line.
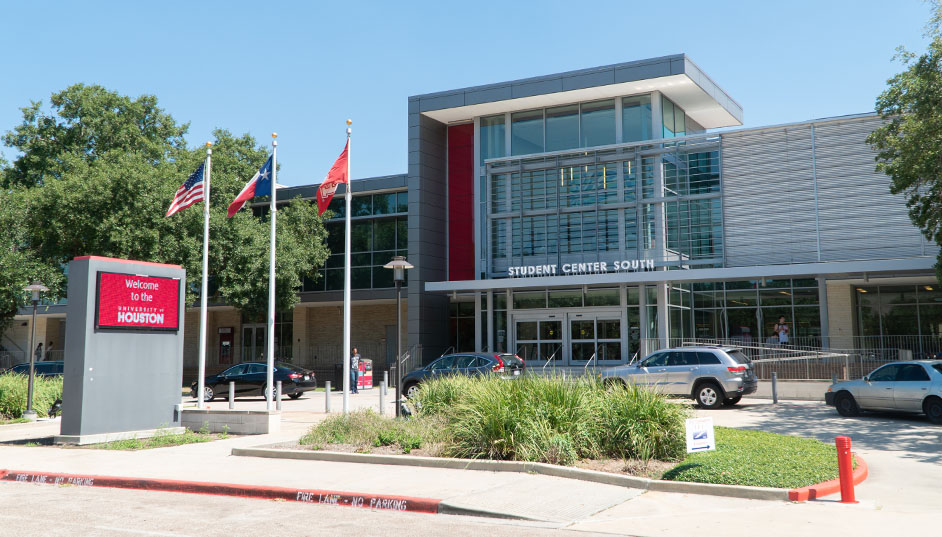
<point>909,144</point>
<point>95,177</point>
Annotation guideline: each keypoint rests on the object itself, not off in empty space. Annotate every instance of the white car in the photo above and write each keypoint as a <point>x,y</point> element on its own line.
<point>911,386</point>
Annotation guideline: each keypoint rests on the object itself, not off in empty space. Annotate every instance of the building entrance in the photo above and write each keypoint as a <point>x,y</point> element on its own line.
<point>254,342</point>
<point>569,338</point>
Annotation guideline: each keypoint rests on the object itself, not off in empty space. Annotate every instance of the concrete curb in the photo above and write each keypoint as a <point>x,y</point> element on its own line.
<point>829,487</point>
<point>731,491</point>
<point>378,502</point>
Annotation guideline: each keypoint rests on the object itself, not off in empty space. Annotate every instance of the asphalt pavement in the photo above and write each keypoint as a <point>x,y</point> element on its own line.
<point>901,494</point>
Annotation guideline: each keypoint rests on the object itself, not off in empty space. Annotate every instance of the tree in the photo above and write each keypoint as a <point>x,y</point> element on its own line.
<point>909,144</point>
<point>103,187</point>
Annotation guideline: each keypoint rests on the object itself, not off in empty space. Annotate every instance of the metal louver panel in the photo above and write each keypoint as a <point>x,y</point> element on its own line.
<point>771,216</point>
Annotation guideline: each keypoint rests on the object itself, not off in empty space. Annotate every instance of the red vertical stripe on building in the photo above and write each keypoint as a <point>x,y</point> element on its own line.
<point>461,202</point>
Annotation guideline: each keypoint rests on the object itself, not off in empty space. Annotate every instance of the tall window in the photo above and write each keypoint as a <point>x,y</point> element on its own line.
<point>493,136</point>
<point>562,127</point>
<point>526,132</point>
<point>673,118</point>
<point>598,123</point>
<point>636,118</point>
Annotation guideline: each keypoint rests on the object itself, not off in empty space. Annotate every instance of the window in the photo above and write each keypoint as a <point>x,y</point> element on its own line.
<point>656,360</point>
<point>526,132</point>
<point>562,127</point>
<point>679,358</point>
<point>636,118</point>
<point>912,373</point>
<point>493,136</point>
<point>674,119</point>
<point>598,123</point>
<point>708,358</point>
<point>886,373</point>
<point>447,362</point>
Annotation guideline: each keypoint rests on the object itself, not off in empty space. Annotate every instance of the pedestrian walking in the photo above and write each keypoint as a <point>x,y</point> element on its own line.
<point>49,351</point>
<point>781,328</point>
<point>354,370</point>
<point>39,352</point>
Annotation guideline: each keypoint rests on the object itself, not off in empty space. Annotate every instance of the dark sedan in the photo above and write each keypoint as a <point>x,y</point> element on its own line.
<point>250,379</point>
<point>471,364</point>
<point>40,369</point>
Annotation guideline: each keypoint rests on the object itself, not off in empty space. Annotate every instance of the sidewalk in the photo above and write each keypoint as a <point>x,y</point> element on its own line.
<point>901,494</point>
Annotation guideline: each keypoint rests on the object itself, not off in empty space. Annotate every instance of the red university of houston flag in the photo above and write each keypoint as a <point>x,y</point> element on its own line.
<point>336,175</point>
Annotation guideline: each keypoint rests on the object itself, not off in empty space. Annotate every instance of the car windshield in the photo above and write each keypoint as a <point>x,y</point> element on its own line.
<point>937,367</point>
<point>511,360</point>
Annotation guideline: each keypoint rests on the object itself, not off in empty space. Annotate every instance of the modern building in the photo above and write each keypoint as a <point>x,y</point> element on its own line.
<point>593,215</point>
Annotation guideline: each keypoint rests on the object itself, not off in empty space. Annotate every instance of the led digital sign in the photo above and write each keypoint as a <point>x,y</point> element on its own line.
<point>134,302</point>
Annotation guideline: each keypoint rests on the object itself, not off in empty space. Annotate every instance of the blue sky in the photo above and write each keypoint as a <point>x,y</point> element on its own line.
<point>302,68</point>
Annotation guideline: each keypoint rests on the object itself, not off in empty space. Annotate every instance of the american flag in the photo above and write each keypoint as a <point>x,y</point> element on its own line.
<point>189,192</point>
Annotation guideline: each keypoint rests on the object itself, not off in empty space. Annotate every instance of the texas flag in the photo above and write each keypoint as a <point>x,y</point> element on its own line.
<point>260,185</point>
<point>336,175</point>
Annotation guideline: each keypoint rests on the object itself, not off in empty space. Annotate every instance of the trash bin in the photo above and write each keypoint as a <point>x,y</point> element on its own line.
<point>365,380</point>
<point>337,381</point>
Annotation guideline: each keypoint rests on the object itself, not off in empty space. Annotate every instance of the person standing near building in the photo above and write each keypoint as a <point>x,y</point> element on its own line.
<point>354,370</point>
<point>39,352</point>
<point>781,328</point>
<point>49,351</point>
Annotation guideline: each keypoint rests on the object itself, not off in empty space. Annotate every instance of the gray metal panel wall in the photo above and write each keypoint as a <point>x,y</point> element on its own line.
<point>772,217</point>
<point>428,312</point>
<point>118,381</point>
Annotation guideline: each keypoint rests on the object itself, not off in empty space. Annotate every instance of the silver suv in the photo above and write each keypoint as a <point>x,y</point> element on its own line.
<point>711,376</point>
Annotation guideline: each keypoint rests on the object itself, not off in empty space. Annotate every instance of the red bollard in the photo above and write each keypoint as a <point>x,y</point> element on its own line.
<point>845,467</point>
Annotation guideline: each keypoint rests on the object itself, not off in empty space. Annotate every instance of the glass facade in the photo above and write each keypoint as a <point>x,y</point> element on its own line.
<point>673,118</point>
<point>379,231</point>
<point>900,316</point>
<point>593,206</point>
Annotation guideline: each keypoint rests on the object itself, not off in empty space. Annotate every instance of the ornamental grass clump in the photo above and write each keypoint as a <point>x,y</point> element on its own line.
<point>13,391</point>
<point>552,419</point>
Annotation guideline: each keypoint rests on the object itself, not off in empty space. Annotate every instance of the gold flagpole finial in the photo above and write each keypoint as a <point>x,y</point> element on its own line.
<point>209,144</point>
<point>349,122</point>
<point>274,135</point>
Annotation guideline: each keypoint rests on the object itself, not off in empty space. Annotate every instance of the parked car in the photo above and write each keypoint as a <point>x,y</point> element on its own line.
<point>910,386</point>
<point>466,363</point>
<point>711,376</point>
<point>250,379</point>
<point>40,369</point>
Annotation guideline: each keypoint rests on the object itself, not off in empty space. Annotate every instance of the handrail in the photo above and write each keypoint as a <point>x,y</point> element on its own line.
<point>589,361</point>
<point>449,350</point>
<point>552,358</point>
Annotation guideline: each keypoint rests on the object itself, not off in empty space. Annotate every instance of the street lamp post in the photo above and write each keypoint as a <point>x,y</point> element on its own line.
<point>399,266</point>
<point>35,288</point>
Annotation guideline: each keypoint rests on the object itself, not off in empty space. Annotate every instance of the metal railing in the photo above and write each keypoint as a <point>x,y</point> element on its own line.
<point>9,359</point>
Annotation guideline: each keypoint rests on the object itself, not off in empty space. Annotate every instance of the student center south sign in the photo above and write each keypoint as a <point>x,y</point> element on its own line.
<point>598,214</point>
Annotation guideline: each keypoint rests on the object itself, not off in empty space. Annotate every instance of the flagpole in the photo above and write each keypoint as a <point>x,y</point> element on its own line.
<point>204,289</point>
<point>270,371</point>
<point>346,283</point>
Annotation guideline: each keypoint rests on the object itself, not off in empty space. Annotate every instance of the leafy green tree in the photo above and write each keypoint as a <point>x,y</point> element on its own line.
<point>909,144</point>
<point>104,188</point>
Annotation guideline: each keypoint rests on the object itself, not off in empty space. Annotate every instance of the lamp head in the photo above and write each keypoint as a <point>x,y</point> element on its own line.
<point>399,266</point>
<point>35,288</point>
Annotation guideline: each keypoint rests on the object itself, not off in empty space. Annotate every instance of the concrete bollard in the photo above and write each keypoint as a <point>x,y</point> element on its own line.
<point>278,395</point>
<point>774,388</point>
<point>231,395</point>
<point>845,468</point>
<point>327,397</point>
<point>385,382</point>
<point>382,398</point>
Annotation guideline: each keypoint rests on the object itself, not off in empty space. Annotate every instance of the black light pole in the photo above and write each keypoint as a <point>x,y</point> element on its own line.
<point>399,266</point>
<point>35,288</point>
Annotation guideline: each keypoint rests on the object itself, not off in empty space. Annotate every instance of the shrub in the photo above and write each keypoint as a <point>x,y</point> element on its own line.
<point>365,428</point>
<point>13,391</point>
<point>552,419</point>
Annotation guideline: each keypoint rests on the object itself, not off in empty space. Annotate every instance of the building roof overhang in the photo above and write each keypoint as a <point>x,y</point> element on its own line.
<point>677,77</point>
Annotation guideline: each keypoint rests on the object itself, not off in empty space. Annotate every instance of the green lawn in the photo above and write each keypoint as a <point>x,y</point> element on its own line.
<point>161,439</point>
<point>759,459</point>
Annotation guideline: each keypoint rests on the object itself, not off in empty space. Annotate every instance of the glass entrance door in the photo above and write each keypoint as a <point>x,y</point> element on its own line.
<point>540,339</point>
<point>254,342</point>
<point>595,337</point>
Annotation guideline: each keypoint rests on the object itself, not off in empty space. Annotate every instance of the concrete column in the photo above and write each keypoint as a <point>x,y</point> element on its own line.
<point>823,311</point>
<point>477,322</point>
<point>490,321</point>
<point>663,315</point>
<point>301,343</point>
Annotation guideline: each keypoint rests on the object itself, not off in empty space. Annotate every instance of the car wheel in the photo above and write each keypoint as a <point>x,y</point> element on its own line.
<point>296,395</point>
<point>208,393</point>
<point>732,400</point>
<point>933,409</point>
<point>709,395</point>
<point>846,405</point>
<point>411,390</point>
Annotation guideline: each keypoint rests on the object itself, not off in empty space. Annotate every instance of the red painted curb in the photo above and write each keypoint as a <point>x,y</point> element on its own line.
<point>379,502</point>
<point>829,487</point>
